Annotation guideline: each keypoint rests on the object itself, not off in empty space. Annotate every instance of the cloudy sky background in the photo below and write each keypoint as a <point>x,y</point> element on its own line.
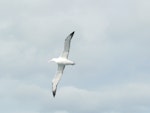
<point>111,48</point>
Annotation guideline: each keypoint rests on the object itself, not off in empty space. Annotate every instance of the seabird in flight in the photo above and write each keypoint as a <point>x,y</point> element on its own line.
<point>62,61</point>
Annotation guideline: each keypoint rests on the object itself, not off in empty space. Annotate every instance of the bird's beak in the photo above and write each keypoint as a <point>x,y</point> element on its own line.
<point>49,60</point>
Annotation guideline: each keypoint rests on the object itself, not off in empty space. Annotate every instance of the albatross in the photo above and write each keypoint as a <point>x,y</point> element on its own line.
<point>62,61</point>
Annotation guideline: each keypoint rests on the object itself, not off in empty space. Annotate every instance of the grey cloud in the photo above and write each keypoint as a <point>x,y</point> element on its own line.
<point>71,99</point>
<point>110,48</point>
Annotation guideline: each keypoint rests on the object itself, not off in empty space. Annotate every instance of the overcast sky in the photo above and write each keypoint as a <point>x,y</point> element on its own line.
<point>111,49</point>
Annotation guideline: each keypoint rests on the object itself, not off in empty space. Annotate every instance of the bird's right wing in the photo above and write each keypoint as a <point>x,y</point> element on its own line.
<point>57,78</point>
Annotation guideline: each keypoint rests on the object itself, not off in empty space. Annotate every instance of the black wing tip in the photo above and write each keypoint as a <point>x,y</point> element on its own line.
<point>72,33</point>
<point>54,93</point>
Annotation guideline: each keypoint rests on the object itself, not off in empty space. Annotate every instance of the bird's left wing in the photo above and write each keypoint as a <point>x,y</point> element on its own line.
<point>57,78</point>
<point>67,46</point>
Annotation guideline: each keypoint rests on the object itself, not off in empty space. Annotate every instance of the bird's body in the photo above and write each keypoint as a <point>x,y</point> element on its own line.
<point>62,61</point>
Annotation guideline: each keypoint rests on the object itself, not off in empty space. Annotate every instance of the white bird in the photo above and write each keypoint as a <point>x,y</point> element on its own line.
<point>62,61</point>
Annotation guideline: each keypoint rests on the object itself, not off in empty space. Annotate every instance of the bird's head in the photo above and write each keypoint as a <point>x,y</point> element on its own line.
<point>52,60</point>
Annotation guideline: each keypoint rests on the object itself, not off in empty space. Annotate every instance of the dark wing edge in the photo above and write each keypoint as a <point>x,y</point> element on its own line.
<point>57,78</point>
<point>67,45</point>
<point>54,93</point>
